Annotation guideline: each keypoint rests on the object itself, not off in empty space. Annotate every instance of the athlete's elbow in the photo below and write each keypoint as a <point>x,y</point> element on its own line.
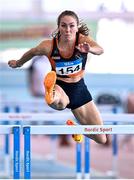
<point>100,51</point>
<point>97,51</point>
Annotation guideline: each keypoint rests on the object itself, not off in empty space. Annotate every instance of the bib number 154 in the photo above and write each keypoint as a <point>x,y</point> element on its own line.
<point>69,70</point>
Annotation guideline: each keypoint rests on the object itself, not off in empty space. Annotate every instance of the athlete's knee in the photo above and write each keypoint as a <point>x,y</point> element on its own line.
<point>102,139</point>
<point>58,106</point>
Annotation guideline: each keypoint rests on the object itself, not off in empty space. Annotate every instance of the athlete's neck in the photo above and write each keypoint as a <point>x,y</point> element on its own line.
<point>66,43</point>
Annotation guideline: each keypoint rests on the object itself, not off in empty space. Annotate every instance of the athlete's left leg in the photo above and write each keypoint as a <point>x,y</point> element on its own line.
<point>54,94</point>
<point>88,114</point>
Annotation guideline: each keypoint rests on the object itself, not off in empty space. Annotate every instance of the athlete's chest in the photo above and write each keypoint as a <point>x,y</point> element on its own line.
<point>68,60</point>
<point>70,64</point>
<point>66,53</point>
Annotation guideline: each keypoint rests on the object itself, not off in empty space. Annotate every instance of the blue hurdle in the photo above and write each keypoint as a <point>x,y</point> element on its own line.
<point>6,109</point>
<point>15,130</point>
<point>7,153</point>
<point>114,171</point>
<point>16,153</point>
<point>79,173</point>
<point>87,168</point>
<point>27,153</point>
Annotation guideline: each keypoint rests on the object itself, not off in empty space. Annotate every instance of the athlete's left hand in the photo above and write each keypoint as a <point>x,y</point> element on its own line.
<point>83,47</point>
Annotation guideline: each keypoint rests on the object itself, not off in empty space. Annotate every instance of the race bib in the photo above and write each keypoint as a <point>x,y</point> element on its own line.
<point>69,67</point>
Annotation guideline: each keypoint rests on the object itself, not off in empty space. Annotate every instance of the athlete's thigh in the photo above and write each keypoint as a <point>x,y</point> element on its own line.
<point>88,114</point>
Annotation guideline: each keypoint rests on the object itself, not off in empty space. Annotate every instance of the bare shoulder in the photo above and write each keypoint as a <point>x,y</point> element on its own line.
<point>44,48</point>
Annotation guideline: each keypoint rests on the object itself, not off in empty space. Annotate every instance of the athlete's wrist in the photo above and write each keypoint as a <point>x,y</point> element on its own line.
<point>18,63</point>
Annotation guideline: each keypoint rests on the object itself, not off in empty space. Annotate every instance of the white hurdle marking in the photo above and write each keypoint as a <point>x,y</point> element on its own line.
<point>62,116</point>
<point>82,129</point>
<point>6,129</point>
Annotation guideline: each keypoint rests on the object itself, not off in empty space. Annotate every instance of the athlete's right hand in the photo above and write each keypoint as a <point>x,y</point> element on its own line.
<point>13,63</point>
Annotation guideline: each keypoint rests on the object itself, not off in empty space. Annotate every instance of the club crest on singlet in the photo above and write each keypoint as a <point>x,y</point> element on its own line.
<point>69,67</point>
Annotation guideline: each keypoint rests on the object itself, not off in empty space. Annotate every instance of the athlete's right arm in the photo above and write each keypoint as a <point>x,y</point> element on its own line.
<point>42,49</point>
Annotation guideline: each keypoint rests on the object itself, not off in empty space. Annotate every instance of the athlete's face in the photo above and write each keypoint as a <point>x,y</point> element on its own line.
<point>68,28</point>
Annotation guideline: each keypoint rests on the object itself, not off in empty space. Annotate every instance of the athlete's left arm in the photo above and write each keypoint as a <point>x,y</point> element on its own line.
<point>88,45</point>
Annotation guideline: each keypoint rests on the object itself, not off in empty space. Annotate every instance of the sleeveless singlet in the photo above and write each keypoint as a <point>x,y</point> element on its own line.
<point>68,67</point>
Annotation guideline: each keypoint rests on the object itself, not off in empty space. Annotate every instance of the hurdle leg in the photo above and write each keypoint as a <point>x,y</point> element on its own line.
<point>27,153</point>
<point>17,110</point>
<point>53,152</point>
<point>87,158</point>
<point>78,160</point>
<point>115,147</point>
<point>16,153</point>
<point>7,152</point>
<point>7,156</point>
<point>115,154</point>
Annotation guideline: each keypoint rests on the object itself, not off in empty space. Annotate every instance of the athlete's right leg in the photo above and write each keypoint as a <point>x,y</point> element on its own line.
<point>77,137</point>
<point>54,94</point>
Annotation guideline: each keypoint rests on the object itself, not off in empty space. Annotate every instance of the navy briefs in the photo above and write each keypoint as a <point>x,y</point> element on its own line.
<point>77,92</point>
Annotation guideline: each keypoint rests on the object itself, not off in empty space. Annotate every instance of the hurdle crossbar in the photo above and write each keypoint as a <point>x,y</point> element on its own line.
<point>82,129</point>
<point>7,129</point>
<point>62,116</point>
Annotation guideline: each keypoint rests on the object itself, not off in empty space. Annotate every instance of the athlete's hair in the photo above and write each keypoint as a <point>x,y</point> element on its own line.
<point>82,27</point>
